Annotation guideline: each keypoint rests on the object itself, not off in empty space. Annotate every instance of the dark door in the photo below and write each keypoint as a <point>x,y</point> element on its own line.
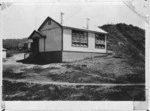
<point>35,46</point>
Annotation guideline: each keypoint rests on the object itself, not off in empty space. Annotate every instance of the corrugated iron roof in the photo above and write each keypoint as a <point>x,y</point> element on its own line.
<point>90,29</point>
<point>70,25</point>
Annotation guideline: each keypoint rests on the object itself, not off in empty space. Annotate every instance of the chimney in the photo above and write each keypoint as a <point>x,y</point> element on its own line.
<point>61,17</point>
<point>87,23</point>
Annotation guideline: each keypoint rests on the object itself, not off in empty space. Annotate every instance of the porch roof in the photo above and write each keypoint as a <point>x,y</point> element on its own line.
<point>36,34</point>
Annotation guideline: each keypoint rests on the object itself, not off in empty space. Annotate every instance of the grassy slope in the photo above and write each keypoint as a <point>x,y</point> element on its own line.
<point>13,43</point>
<point>14,46</point>
<point>126,41</point>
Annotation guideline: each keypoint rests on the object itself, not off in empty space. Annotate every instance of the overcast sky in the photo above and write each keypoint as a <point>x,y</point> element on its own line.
<point>20,19</point>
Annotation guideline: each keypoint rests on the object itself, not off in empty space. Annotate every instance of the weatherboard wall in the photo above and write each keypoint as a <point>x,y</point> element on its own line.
<point>67,43</point>
<point>69,56</point>
<point>52,42</point>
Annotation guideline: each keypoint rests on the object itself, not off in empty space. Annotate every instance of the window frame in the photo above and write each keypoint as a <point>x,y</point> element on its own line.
<point>78,34</point>
<point>100,36</point>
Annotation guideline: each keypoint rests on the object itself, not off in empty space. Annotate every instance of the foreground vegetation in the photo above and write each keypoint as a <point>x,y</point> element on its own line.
<point>30,91</point>
<point>46,82</point>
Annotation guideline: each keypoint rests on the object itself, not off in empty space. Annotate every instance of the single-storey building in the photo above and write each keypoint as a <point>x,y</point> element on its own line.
<point>4,53</point>
<point>55,42</point>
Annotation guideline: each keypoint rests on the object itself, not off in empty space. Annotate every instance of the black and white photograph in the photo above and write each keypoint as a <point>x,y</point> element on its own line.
<point>74,51</point>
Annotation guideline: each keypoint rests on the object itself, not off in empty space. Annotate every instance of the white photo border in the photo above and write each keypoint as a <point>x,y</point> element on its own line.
<point>81,105</point>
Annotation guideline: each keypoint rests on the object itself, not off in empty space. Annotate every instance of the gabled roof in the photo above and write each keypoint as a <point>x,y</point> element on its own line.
<point>48,18</point>
<point>92,28</point>
<point>40,35</point>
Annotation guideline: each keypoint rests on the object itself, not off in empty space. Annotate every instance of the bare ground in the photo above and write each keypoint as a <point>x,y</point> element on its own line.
<point>99,78</point>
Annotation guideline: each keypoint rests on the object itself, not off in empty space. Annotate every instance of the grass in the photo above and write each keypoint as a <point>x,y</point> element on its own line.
<point>9,73</point>
<point>75,76</point>
<point>26,91</point>
<point>86,71</point>
<point>125,73</point>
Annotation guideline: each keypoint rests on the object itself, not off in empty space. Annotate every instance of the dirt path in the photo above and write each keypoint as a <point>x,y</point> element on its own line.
<point>70,84</point>
<point>13,59</point>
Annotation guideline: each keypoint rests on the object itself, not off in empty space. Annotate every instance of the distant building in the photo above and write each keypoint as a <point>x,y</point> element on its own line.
<point>55,42</point>
<point>23,45</point>
<point>4,53</point>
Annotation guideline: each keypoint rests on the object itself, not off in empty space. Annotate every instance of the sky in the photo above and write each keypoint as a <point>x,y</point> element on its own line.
<point>21,18</point>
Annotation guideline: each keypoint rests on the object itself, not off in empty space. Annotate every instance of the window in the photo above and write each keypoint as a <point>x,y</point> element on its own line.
<point>49,22</point>
<point>79,38</point>
<point>100,41</point>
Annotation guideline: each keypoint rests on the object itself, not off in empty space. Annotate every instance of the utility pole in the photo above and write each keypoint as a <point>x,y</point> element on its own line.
<point>61,17</point>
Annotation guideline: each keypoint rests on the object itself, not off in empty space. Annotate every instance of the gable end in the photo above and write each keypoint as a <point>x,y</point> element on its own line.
<point>50,21</point>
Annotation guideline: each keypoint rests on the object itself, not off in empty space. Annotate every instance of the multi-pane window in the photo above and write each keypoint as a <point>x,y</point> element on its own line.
<point>79,38</point>
<point>100,41</point>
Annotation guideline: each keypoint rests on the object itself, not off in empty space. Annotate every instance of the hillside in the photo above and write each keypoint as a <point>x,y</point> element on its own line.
<point>13,43</point>
<point>15,46</point>
<point>126,41</point>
